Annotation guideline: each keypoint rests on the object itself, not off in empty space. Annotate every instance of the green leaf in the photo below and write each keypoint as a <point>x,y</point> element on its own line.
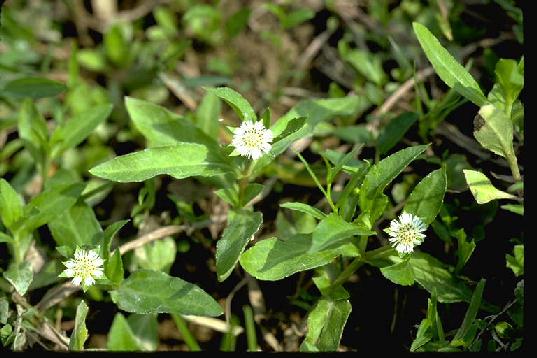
<point>76,226</point>
<point>147,291</point>
<point>433,275</point>
<point>333,231</point>
<point>113,268</point>
<point>358,134</point>
<point>33,87</point>
<point>305,208</point>
<point>514,208</point>
<point>19,276</point>
<point>382,173</point>
<point>145,329</point>
<point>116,46</point>
<point>251,191</point>
<point>516,261</point>
<point>241,228</point>
<point>423,335</point>
<point>49,204</point>
<point>400,273</point>
<point>314,111</point>
<point>121,337</point>
<point>493,129</point>
<point>11,204</point>
<point>180,161</point>
<point>74,131</point>
<point>510,77</point>
<point>367,64</point>
<point>482,189</point>
<point>395,131</point>
<point>157,256</point>
<point>80,332</point>
<point>274,259</point>
<point>325,326</point>
<point>464,249</point>
<point>109,233</point>
<point>239,104</point>
<point>447,68</point>
<point>33,130</point>
<point>162,127</point>
<point>208,114</point>
<point>426,199</point>
<point>470,315</point>
<point>4,310</point>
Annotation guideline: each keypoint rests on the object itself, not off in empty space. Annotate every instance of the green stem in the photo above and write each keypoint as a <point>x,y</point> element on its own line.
<point>511,159</point>
<point>249,323</point>
<point>185,333</point>
<point>349,270</point>
<point>244,181</point>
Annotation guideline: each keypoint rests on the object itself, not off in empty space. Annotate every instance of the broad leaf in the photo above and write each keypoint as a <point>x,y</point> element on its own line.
<point>447,68</point>
<point>274,259</point>
<point>493,129</point>
<point>325,325</point>
<point>121,337</point>
<point>33,130</point>
<point>482,188</point>
<point>161,127</point>
<point>426,199</point>
<point>20,276</point>
<point>113,268</point>
<point>49,204</point>
<point>239,104</point>
<point>400,273</point>
<point>180,161</point>
<point>241,228</point>
<point>333,231</point>
<point>157,256</point>
<point>80,332</point>
<point>145,329</point>
<point>147,291</point>
<point>77,226</point>
<point>11,204</point>
<point>33,87</point>
<point>75,130</point>
<point>382,173</point>
<point>208,113</point>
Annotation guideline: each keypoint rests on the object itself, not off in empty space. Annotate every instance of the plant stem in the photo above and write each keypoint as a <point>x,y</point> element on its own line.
<point>185,333</point>
<point>511,159</point>
<point>250,328</point>
<point>349,270</point>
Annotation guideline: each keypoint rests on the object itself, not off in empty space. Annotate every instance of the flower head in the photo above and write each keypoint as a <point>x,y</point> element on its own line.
<point>406,232</point>
<point>252,139</point>
<point>85,267</point>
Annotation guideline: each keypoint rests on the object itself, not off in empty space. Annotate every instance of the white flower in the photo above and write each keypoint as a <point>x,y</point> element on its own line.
<point>84,268</point>
<point>252,139</point>
<point>406,233</point>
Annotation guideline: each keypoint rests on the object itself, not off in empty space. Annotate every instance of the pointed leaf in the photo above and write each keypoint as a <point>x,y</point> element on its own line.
<point>325,326</point>
<point>426,199</point>
<point>493,129</point>
<point>20,276</point>
<point>274,259</point>
<point>121,337</point>
<point>147,291</point>
<point>11,204</point>
<point>179,161</point>
<point>447,68</point>
<point>239,104</point>
<point>382,173</point>
<point>482,189</point>
<point>80,332</point>
<point>239,231</point>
